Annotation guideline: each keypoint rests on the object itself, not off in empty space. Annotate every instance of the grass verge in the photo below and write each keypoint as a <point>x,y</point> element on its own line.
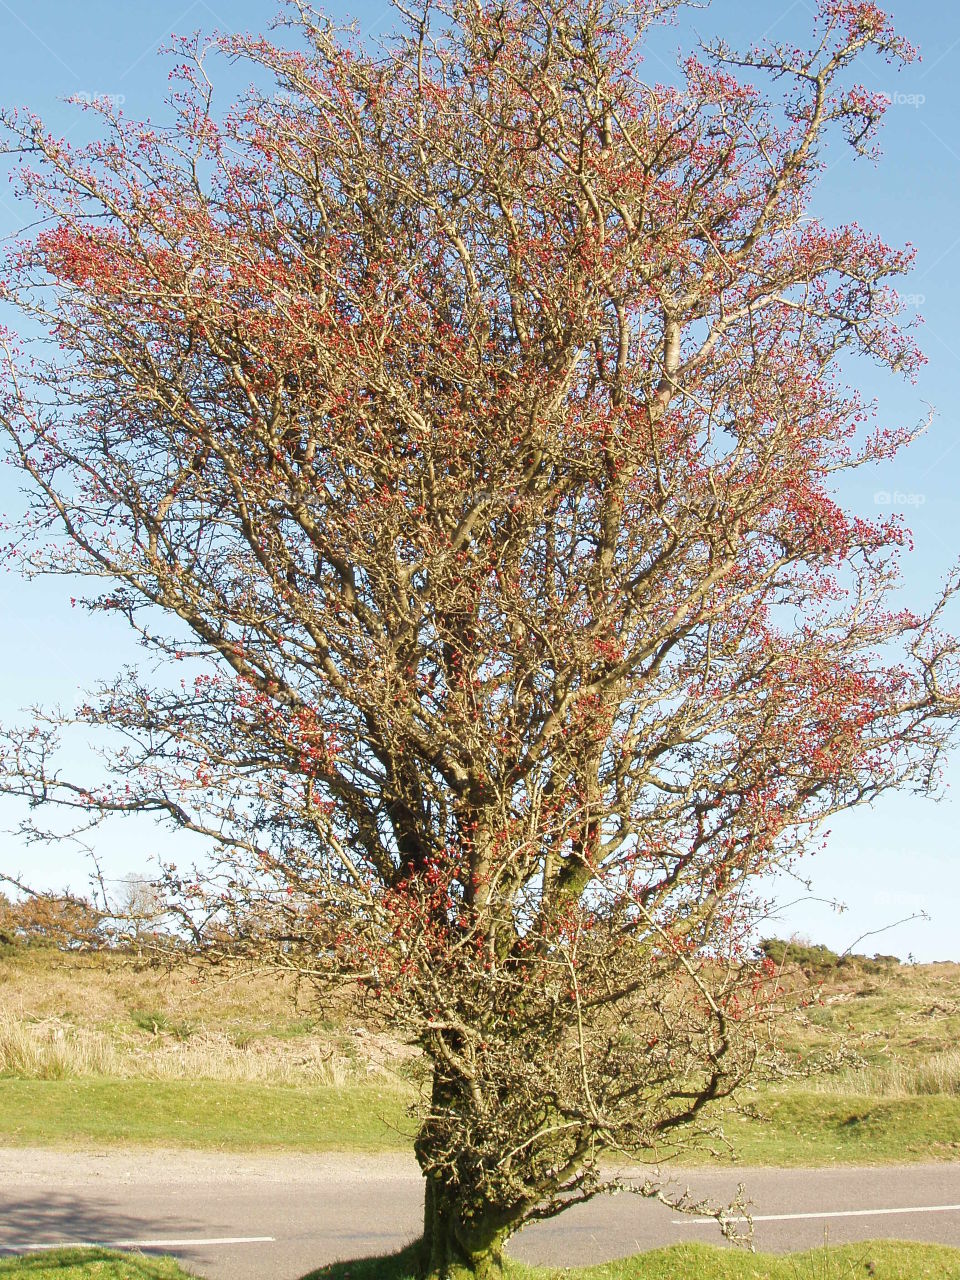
<point>91,1264</point>
<point>794,1128</point>
<point>208,1114</point>
<point>879,1259</point>
<point>805,1127</point>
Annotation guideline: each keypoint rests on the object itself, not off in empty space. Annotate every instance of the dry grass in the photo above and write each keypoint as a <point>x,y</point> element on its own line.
<point>102,988</point>
<point>71,1016</point>
<point>937,1074</point>
<point>52,1049</point>
<point>75,1015</point>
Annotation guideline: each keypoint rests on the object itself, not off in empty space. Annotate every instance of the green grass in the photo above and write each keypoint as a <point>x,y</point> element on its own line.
<point>879,1259</point>
<point>91,1264</point>
<point>203,1113</point>
<point>804,1127</point>
<point>791,1127</point>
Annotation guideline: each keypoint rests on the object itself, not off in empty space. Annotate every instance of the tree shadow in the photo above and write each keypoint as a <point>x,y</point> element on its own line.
<point>59,1218</point>
<point>393,1266</point>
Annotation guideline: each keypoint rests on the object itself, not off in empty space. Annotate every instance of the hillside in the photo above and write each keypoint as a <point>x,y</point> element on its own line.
<point>867,1062</point>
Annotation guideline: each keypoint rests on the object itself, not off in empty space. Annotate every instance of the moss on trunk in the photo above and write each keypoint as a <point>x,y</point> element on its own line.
<point>450,1250</point>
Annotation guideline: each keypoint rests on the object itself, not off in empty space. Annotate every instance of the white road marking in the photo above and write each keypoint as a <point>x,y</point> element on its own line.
<point>165,1243</point>
<point>834,1213</point>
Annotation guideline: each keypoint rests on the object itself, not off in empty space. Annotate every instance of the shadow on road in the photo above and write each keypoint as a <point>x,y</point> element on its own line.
<point>393,1266</point>
<point>51,1218</point>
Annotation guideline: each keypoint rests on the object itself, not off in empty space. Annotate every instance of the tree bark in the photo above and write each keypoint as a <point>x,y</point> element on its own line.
<point>460,1241</point>
<point>451,1252</point>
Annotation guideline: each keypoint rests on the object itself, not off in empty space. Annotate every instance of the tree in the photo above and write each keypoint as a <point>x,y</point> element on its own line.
<point>473,410</point>
<point>138,910</point>
<point>52,919</point>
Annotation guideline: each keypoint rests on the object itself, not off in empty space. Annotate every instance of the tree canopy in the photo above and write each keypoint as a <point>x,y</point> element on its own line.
<point>472,409</point>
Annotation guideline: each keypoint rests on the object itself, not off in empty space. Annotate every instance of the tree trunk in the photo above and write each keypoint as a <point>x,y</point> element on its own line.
<point>461,1241</point>
<point>452,1252</point>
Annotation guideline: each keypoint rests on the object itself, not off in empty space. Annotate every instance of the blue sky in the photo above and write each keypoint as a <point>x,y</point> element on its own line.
<point>892,861</point>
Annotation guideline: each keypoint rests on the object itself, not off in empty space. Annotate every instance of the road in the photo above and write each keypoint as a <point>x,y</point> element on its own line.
<point>241,1217</point>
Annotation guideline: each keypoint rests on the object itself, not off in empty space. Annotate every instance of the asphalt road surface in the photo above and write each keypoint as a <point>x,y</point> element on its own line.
<point>238,1217</point>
